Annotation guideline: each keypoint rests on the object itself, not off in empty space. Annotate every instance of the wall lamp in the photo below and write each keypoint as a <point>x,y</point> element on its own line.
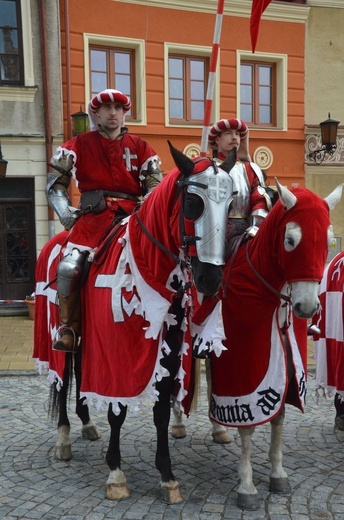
<point>329,130</point>
<point>81,122</point>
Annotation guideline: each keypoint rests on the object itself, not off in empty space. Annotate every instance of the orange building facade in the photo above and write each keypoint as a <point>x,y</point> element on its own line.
<point>154,31</point>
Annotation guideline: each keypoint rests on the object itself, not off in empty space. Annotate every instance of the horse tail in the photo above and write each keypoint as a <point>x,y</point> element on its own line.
<point>197,385</point>
<point>58,398</point>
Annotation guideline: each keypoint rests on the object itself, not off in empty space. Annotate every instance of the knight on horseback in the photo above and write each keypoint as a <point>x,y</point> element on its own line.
<point>114,171</point>
<point>251,203</point>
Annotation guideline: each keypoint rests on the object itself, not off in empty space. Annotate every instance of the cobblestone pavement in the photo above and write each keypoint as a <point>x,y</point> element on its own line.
<point>35,485</point>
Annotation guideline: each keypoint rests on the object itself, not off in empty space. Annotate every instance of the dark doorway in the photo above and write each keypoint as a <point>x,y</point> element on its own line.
<point>17,241</point>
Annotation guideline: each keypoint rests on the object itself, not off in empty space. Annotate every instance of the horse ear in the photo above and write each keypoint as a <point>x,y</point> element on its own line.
<point>230,161</point>
<point>183,163</point>
<point>333,198</point>
<point>288,198</point>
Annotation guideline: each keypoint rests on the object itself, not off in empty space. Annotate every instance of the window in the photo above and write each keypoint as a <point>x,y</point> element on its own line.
<point>262,89</point>
<point>187,82</point>
<point>113,68</point>
<point>119,63</point>
<point>186,77</point>
<point>11,47</point>
<point>257,93</point>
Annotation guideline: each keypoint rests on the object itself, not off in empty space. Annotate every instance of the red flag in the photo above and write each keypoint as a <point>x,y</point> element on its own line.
<point>258,8</point>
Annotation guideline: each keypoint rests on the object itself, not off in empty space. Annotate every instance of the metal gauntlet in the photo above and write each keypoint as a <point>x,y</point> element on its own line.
<point>57,197</point>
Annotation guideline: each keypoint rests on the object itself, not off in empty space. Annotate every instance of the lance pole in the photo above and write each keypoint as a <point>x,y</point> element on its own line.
<point>211,78</point>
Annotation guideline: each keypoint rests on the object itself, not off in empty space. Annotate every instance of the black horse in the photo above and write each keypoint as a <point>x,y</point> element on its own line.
<point>173,245</point>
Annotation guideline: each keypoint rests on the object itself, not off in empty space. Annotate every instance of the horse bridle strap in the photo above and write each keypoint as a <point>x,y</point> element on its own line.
<point>284,297</point>
<point>176,258</point>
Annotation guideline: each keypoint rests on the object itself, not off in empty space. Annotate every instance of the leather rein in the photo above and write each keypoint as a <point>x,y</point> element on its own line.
<point>285,297</point>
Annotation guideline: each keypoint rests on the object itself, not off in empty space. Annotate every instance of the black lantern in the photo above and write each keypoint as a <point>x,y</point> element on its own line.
<point>329,129</point>
<point>81,122</point>
<point>3,164</point>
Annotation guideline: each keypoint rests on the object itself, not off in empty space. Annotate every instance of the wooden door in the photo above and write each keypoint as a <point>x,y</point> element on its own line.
<point>17,241</point>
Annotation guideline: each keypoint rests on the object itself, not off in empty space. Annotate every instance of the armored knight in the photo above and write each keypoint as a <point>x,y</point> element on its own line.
<point>114,170</point>
<point>251,202</point>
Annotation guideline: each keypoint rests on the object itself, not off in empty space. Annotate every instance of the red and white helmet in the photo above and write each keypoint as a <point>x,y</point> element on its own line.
<point>226,124</point>
<point>231,124</point>
<point>106,96</point>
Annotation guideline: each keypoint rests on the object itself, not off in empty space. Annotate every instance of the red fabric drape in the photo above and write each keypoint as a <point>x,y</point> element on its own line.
<point>258,8</point>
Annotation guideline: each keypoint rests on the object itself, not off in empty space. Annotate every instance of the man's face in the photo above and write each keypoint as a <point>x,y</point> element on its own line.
<point>110,116</point>
<point>228,140</point>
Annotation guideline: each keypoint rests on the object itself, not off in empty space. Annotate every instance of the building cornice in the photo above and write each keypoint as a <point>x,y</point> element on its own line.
<point>280,11</point>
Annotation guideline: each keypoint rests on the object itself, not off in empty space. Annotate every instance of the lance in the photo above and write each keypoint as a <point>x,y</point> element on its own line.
<point>211,77</point>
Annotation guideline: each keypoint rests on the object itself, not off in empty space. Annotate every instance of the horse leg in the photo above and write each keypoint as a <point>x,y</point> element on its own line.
<point>339,405</point>
<point>279,482</point>
<point>116,485</point>
<point>63,447</point>
<point>248,498</point>
<point>178,430</point>
<point>162,410</point>
<point>88,430</point>
<point>219,432</point>
<point>161,414</point>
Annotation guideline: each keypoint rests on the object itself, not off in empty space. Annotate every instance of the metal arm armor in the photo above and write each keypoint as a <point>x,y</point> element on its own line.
<point>153,176</point>
<point>57,196</point>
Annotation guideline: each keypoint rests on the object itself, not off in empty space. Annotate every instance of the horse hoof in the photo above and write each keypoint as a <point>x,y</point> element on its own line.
<point>63,452</point>
<point>171,494</point>
<point>339,423</point>
<point>178,432</point>
<point>279,485</point>
<point>248,502</point>
<point>89,431</point>
<point>221,437</point>
<point>117,491</point>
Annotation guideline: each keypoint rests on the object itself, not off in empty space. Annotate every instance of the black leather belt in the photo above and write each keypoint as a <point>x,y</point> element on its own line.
<point>119,195</point>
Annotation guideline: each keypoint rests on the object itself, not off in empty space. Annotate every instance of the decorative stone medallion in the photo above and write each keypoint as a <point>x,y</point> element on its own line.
<point>263,157</point>
<point>192,150</point>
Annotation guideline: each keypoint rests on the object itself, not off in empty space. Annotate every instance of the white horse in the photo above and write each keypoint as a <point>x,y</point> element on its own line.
<point>268,294</point>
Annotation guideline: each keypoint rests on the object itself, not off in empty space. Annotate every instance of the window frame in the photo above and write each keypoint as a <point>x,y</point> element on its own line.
<point>256,101</point>
<point>137,48</point>
<point>19,28</point>
<point>111,72</point>
<point>186,60</point>
<point>27,91</point>
<point>172,49</point>
<point>280,62</point>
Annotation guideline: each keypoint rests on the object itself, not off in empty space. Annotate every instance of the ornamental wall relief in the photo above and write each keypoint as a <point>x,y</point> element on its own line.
<point>313,143</point>
<point>192,150</point>
<point>263,157</point>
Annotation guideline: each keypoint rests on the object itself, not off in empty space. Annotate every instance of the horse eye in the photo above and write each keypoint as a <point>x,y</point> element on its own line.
<point>292,236</point>
<point>193,206</point>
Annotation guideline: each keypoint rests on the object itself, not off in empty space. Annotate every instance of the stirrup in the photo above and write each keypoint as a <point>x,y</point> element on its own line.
<point>62,331</point>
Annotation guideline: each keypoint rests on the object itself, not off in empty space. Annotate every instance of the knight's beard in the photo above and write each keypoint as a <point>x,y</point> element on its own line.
<point>109,130</point>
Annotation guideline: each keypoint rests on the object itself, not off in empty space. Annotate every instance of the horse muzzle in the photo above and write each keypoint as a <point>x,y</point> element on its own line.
<point>305,299</point>
<point>207,277</point>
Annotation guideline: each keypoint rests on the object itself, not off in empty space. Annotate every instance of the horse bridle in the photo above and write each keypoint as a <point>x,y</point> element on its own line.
<point>176,258</point>
<point>285,297</point>
<point>281,296</point>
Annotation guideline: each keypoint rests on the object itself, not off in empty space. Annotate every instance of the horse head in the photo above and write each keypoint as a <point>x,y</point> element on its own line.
<point>308,234</point>
<point>206,191</point>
